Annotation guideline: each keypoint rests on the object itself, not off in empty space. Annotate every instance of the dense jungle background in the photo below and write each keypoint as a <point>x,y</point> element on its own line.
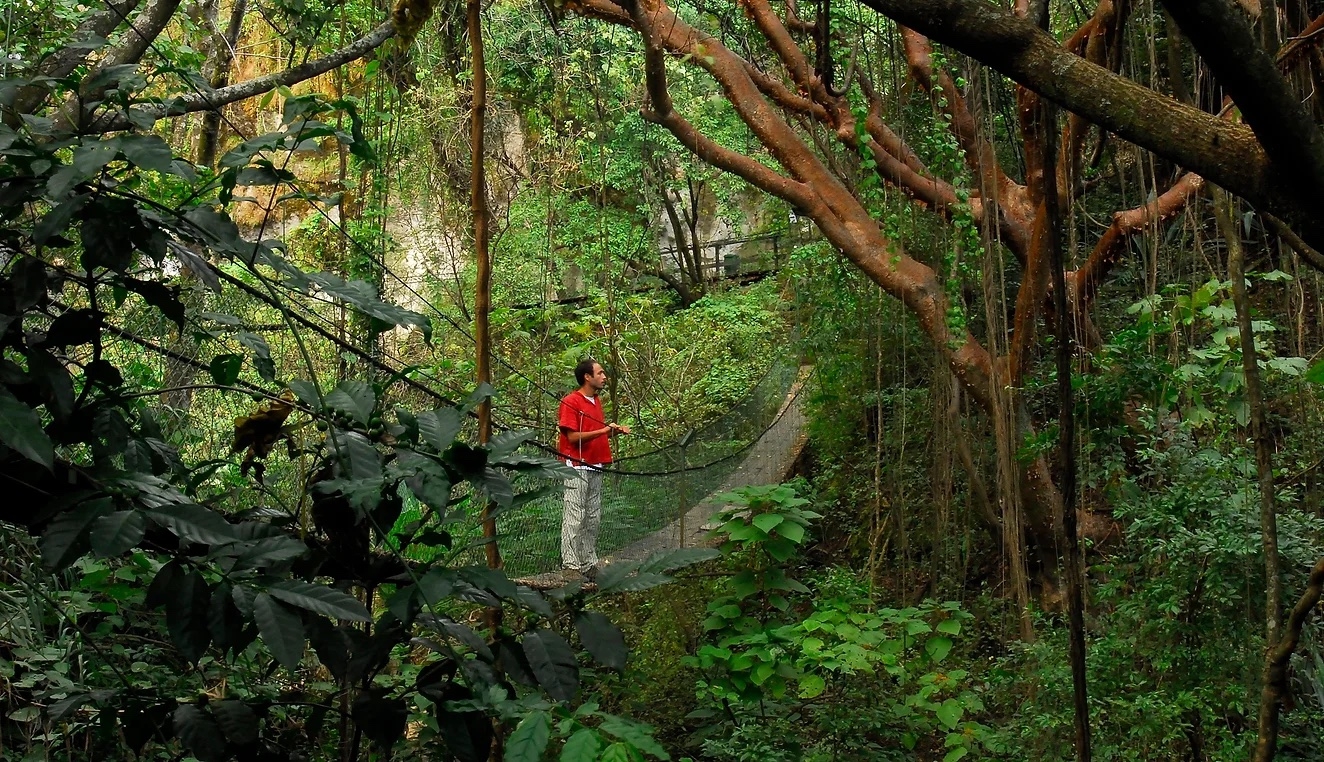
<point>289,290</point>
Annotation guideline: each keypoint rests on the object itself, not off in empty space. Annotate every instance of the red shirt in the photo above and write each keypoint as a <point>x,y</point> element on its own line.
<point>580,413</point>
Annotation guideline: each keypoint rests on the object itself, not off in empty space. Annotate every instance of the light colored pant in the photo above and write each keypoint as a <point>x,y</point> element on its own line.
<point>582,517</point>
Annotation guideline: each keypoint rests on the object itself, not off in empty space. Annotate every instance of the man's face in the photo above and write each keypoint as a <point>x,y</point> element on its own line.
<point>598,379</point>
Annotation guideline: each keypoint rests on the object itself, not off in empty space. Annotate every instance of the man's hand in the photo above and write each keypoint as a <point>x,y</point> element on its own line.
<point>617,428</point>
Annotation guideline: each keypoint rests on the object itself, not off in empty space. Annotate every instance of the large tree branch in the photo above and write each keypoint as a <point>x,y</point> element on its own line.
<point>258,85</point>
<point>142,32</point>
<point>1222,152</point>
<point>1224,39</point>
<point>62,63</point>
<point>1108,250</point>
<point>1010,207</point>
<point>663,112</point>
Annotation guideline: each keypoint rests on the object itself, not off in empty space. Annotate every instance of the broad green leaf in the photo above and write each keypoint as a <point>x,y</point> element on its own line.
<point>581,746</point>
<point>602,639</point>
<point>1316,373</point>
<point>354,398</point>
<point>637,734</point>
<point>439,427</point>
<point>768,521</point>
<point>65,538</point>
<point>188,604</point>
<point>21,430</point>
<point>916,627</point>
<point>949,713</point>
<point>382,719</point>
<point>530,738</point>
<point>937,648</point>
<point>320,599</point>
<point>266,367</point>
<point>200,733</point>
<point>425,477</point>
<point>224,369</point>
<point>618,752</point>
<point>791,531</point>
<point>358,457</point>
<point>553,663</point>
<point>949,626</point>
<point>281,629</point>
<point>193,523</point>
<point>238,721</point>
<point>363,296</point>
<point>955,754</point>
<point>306,391</point>
<point>811,686</point>
<point>148,152</point>
<point>671,560</point>
<point>112,535</point>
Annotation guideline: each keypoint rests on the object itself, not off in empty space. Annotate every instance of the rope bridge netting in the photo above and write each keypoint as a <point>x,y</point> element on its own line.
<point>643,495</point>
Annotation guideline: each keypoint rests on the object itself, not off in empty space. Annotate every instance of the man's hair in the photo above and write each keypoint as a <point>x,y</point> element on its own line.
<point>584,369</point>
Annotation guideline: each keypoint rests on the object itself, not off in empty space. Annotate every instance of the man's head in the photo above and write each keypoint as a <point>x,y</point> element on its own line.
<point>589,373</point>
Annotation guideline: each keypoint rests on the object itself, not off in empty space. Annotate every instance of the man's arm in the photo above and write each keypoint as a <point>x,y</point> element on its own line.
<point>575,437</point>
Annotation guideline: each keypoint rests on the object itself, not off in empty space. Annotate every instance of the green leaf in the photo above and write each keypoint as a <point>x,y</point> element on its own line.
<point>281,630</point>
<point>112,535</point>
<point>354,398</point>
<point>188,604</point>
<point>617,752</point>
<point>382,719</point>
<point>1316,373</point>
<point>636,734</point>
<point>791,531</point>
<point>90,157</point>
<point>363,296</point>
<point>949,713</point>
<point>553,663</point>
<point>237,720</point>
<point>320,599</point>
<point>938,648</point>
<point>199,732</point>
<point>671,560</point>
<point>811,686</point>
<point>266,367</point>
<point>306,391</point>
<point>602,639</point>
<point>768,521</point>
<point>359,459</point>
<point>224,369</point>
<point>916,627</point>
<point>148,152</point>
<point>57,220</point>
<point>530,738</point>
<point>581,746</point>
<point>20,429</point>
<point>65,539</point>
<point>439,427</point>
<point>425,477</point>
<point>949,626</point>
<point>956,754</point>
<point>193,523</point>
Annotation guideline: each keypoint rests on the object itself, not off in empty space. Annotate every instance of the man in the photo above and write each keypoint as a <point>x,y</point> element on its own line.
<point>585,444</point>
